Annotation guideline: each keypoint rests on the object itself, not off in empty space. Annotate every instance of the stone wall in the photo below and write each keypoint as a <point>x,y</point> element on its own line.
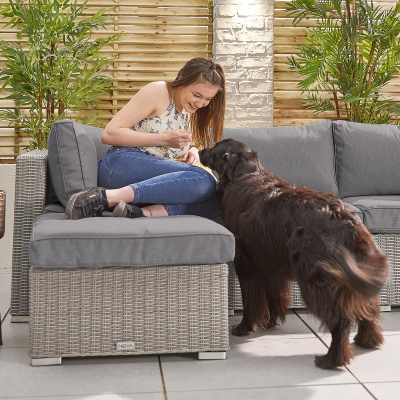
<point>243,44</point>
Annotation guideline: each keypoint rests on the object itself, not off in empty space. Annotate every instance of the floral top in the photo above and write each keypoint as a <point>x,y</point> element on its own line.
<point>169,120</point>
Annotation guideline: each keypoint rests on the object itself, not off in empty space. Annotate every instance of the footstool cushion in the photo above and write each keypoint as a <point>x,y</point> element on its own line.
<point>106,242</point>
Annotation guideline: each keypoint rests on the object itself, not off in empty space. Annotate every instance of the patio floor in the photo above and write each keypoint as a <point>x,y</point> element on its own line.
<point>278,364</point>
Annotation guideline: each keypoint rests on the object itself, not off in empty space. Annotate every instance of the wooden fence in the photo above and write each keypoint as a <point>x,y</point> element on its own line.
<point>287,96</point>
<point>160,36</point>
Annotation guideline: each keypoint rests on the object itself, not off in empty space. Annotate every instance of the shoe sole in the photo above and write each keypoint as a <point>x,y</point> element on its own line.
<point>70,206</point>
<point>119,210</point>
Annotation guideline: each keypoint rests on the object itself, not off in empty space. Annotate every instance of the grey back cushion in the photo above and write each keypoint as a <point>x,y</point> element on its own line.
<point>74,150</point>
<point>367,158</point>
<point>302,155</point>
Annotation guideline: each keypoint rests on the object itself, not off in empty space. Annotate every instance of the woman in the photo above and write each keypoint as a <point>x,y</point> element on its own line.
<point>148,135</point>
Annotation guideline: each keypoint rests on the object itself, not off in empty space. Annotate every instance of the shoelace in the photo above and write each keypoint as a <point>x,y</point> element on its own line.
<point>93,209</point>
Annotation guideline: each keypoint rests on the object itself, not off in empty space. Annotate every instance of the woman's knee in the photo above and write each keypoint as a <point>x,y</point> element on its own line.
<point>208,185</point>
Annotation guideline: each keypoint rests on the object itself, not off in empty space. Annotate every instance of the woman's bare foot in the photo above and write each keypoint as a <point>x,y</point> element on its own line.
<point>115,195</point>
<point>157,210</point>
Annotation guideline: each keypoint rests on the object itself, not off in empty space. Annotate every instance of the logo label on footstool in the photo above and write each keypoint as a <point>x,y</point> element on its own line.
<point>125,345</point>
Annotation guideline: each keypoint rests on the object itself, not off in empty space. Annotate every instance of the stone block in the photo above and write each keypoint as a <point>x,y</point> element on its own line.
<point>259,124</point>
<point>260,74</point>
<point>233,48</point>
<point>235,124</point>
<point>228,23</point>
<point>236,75</point>
<point>224,36</point>
<point>226,62</point>
<point>246,10</point>
<point>258,100</point>
<point>226,11</point>
<point>255,87</point>
<point>255,62</point>
<point>269,24</point>
<point>237,99</point>
<point>261,113</point>
<point>231,87</point>
<point>255,22</point>
<point>254,36</point>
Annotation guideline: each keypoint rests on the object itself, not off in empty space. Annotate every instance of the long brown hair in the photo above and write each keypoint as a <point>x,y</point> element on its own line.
<point>209,118</point>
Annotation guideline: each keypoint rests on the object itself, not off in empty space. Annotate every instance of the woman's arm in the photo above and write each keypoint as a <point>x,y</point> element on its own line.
<point>143,104</point>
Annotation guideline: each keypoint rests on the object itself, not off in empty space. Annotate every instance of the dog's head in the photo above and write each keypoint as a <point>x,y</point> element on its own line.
<point>231,158</point>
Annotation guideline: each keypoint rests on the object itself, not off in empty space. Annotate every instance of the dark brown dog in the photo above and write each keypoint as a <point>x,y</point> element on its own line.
<point>286,233</point>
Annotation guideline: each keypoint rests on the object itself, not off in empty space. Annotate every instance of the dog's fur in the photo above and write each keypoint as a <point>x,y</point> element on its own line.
<point>286,233</point>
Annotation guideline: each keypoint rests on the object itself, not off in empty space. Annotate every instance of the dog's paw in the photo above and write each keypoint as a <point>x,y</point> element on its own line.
<point>369,341</point>
<point>325,362</point>
<point>240,330</point>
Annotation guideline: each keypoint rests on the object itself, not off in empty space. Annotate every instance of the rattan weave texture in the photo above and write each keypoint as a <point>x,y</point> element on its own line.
<point>79,312</point>
<point>2,212</point>
<point>30,194</point>
<point>389,294</point>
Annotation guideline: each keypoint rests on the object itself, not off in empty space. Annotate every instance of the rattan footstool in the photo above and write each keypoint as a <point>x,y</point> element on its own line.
<point>149,304</point>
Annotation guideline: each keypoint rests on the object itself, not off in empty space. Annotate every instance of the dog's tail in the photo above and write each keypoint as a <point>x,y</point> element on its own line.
<point>365,277</point>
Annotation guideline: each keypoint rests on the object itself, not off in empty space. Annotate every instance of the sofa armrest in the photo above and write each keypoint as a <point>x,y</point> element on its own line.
<point>30,199</point>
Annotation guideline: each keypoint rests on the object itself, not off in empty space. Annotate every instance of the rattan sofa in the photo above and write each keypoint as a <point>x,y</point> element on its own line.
<point>111,286</point>
<point>358,162</point>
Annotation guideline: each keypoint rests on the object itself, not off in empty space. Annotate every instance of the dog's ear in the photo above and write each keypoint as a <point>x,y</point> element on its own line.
<point>231,160</point>
<point>241,164</point>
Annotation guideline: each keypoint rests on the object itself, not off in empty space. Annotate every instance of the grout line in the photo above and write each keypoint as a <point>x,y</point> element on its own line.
<point>73,396</point>
<point>162,378</point>
<point>5,315</point>
<point>316,334</point>
<point>311,329</point>
<point>266,387</point>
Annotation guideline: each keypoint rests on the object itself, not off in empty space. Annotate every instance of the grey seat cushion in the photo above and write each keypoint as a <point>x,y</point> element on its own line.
<point>367,158</point>
<point>104,242</point>
<point>57,207</point>
<point>381,213</point>
<point>74,150</point>
<point>303,155</point>
<point>355,209</point>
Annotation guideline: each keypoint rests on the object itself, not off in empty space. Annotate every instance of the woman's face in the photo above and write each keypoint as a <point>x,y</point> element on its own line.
<point>196,95</point>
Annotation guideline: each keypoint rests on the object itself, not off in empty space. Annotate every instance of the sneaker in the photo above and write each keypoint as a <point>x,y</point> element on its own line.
<point>90,202</point>
<point>127,210</point>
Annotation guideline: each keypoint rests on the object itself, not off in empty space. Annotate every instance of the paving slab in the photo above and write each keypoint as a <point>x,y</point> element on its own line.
<point>78,376</point>
<point>5,291</point>
<point>331,392</point>
<point>371,365</point>
<point>108,396</point>
<point>264,359</point>
<point>385,391</point>
<point>15,334</point>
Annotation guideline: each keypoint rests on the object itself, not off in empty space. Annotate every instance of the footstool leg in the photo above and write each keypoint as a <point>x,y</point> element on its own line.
<point>212,355</point>
<point>46,361</point>
<point>20,318</point>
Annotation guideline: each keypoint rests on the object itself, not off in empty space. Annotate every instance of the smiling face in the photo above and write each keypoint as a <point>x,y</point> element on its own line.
<point>195,96</point>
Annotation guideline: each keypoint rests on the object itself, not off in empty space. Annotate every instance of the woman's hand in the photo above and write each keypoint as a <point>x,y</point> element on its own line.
<point>178,138</point>
<point>192,157</point>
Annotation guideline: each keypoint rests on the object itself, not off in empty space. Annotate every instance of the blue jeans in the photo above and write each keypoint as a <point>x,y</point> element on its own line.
<point>182,189</point>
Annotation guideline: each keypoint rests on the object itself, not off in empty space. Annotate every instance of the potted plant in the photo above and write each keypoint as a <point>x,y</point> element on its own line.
<point>55,68</point>
<point>352,53</point>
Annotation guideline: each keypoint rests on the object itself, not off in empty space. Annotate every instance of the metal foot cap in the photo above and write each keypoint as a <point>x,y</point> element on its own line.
<point>46,361</point>
<point>212,355</point>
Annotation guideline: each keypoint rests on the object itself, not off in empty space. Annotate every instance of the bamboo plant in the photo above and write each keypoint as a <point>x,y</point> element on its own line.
<point>55,67</point>
<point>352,53</point>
